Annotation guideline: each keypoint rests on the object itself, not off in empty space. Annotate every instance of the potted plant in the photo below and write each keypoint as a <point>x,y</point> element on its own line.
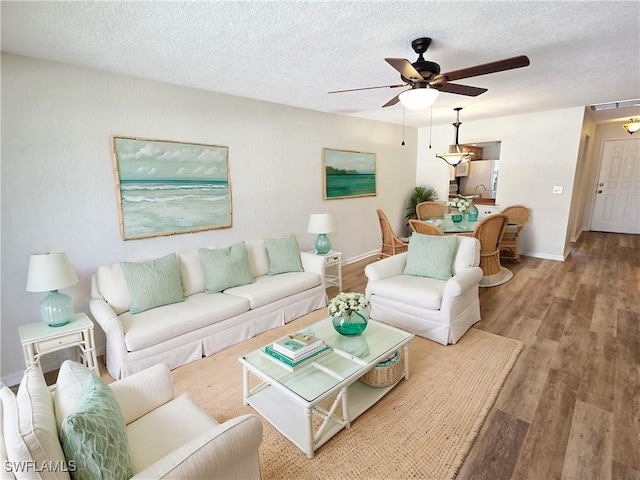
<point>419,195</point>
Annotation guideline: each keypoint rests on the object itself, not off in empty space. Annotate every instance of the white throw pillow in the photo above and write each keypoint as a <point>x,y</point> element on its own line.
<point>33,430</point>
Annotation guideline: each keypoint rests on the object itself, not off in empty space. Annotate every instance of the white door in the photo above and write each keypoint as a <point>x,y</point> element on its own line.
<point>617,205</point>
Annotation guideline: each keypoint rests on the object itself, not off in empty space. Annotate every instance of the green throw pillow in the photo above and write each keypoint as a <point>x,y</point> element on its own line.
<point>284,255</point>
<point>94,437</point>
<point>225,267</point>
<point>154,283</point>
<point>431,256</point>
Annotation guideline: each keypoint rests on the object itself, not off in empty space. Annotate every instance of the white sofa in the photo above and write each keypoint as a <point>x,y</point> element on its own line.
<point>205,323</point>
<point>441,310</point>
<point>167,437</point>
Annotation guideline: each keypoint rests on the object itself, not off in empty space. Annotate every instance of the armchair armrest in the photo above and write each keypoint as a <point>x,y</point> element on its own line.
<point>143,392</point>
<point>462,281</point>
<point>387,267</point>
<point>229,450</point>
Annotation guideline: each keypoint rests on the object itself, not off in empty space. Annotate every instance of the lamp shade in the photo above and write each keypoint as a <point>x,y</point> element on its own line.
<point>453,159</point>
<point>50,271</point>
<point>418,98</point>
<point>633,126</point>
<point>321,223</point>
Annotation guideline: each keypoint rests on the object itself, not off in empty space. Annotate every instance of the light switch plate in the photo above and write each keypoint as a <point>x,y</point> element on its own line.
<point>557,190</point>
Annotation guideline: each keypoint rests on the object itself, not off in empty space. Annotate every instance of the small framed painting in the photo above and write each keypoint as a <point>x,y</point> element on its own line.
<point>165,187</point>
<point>348,174</point>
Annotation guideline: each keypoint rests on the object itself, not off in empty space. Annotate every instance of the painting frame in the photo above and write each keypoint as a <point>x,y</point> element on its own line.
<point>168,187</point>
<point>348,174</point>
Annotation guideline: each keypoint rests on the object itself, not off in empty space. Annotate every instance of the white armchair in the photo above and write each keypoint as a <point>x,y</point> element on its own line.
<point>168,437</point>
<point>441,310</point>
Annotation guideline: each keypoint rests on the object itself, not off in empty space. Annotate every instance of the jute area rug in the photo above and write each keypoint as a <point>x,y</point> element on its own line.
<point>422,429</point>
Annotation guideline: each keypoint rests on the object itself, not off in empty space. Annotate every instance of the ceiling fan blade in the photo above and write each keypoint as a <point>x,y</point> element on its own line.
<point>369,88</point>
<point>493,67</point>
<point>405,68</point>
<point>393,101</point>
<point>460,89</point>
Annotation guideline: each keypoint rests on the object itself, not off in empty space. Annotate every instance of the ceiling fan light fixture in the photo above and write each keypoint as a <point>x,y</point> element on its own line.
<point>418,98</point>
<point>633,126</point>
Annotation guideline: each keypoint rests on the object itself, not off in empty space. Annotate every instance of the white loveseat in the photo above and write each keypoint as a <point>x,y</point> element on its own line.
<point>205,323</point>
<point>166,437</point>
<point>441,310</point>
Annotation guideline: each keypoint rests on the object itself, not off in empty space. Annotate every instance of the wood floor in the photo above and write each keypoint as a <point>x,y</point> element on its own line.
<point>570,407</point>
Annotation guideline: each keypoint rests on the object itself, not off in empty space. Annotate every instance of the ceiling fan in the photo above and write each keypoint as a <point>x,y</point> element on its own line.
<point>426,81</point>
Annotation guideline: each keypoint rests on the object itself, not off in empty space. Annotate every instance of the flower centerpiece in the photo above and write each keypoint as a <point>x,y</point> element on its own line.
<point>465,204</point>
<point>349,313</point>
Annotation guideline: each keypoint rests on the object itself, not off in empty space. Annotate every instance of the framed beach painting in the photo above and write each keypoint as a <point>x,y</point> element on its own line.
<point>348,174</point>
<point>166,187</point>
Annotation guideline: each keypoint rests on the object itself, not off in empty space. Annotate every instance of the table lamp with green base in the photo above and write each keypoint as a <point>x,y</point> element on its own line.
<point>49,272</point>
<point>321,223</point>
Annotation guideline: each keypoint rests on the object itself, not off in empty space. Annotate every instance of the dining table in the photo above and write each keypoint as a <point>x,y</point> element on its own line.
<point>448,226</point>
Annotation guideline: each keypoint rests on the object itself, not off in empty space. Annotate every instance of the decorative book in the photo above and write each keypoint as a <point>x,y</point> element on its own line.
<point>294,363</point>
<point>297,345</point>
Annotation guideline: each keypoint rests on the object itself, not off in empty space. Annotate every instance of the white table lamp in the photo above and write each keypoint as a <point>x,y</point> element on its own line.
<point>49,272</point>
<point>321,223</point>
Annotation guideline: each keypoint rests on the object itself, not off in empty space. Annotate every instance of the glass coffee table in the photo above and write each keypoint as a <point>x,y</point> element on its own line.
<point>289,397</point>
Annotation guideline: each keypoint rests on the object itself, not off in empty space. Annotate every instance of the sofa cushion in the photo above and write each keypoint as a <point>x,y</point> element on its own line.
<point>30,429</point>
<point>164,323</point>
<point>467,254</point>
<point>67,390</point>
<point>225,267</point>
<point>160,424</point>
<point>94,436</point>
<point>191,272</point>
<point>270,288</point>
<point>153,283</point>
<point>430,256</point>
<point>284,255</point>
<point>113,287</point>
<point>258,259</point>
<point>423,292</point>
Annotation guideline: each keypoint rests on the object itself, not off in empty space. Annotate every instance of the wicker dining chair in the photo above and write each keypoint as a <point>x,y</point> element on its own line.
<point>489,231</point>
<point>427,228</point>
<point>430,209</point>
<point>391,244</point>
<point>518,216</point>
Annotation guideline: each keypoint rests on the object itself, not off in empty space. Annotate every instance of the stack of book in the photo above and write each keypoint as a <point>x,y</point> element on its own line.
<point>294,349</point>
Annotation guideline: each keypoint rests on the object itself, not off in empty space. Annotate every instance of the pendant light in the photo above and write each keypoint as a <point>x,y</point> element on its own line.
<point>458,156</point>
<point>633,126</point>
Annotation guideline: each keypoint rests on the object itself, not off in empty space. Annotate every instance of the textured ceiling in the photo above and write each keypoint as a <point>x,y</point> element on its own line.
<point>293,53</point>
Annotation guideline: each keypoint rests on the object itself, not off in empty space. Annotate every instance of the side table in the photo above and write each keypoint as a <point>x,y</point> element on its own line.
<point>332,262</point>
<point>39,339</point>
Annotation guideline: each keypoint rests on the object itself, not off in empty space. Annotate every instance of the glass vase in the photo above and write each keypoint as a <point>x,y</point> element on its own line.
<point>472,212</point>
<point>353,324</point>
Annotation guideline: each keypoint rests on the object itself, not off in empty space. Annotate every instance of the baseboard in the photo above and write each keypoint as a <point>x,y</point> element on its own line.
<point>360,257</point>
<point>545,256</point>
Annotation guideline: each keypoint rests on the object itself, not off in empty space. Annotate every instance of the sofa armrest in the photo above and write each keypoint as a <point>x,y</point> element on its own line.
<point>229,450</point>
<point>462,281</point>
<point>313,263</point>
<point>116,349</point>
<point>387,267</point>
<point>143,392</point>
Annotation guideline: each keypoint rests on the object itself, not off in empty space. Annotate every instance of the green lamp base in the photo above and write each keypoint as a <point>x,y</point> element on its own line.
<point>323,245</point>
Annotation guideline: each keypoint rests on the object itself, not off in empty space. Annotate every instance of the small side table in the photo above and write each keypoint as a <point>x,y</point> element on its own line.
<point>333,262</point>
<point>39,339</point>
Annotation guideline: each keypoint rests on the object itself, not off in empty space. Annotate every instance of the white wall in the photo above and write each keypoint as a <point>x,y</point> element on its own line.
<point>58,190</point>
<point>538,151</point>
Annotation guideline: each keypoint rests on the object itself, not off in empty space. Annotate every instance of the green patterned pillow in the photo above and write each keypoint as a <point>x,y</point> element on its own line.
<point>284,255</point>
<point>154,283</point>
<point>225,267</point>
<point>95,436</point>
<point>431,256</point>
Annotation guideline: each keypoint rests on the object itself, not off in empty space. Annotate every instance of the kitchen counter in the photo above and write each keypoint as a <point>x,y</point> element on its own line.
<point>478,201</point>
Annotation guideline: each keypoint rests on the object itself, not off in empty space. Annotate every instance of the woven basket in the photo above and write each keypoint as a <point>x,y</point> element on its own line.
<point>385,373</point>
